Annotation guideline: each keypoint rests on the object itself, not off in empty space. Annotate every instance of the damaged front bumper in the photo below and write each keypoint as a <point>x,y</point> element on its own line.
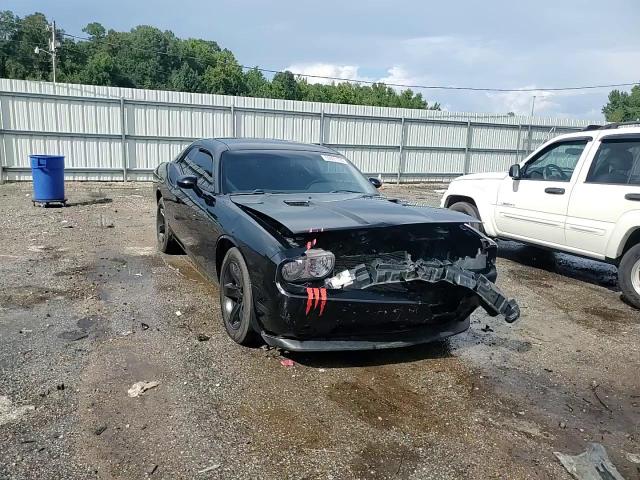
<point>377,300</point>
<point>379,272</point>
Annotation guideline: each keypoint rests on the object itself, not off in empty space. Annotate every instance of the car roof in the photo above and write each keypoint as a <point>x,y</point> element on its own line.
<point>219,145</point>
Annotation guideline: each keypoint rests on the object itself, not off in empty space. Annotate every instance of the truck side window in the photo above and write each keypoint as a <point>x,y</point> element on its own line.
<point>555,163</point>
<point>616,162</point>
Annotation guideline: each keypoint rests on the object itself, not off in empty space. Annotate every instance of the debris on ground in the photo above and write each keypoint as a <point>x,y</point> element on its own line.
<point>633,457</point>
<point>215,466</point>
<point>178,313</point>
<point>139,388</point>
<point>487,328</point>
<point>203,338</point>
<point>100,430</point>
<point>594,389</point>
<point>152,470</point>
<point>593,464</point>
<point>9,413</point>
<point>144,326</point>
<point>287,362</point>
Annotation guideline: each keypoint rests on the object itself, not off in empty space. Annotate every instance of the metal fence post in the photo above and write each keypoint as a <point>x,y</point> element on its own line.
<point>518,149</point>
<point>401,150</point>
<point>233,119</point>
<point>322,127</point>
<point>3,157</point>
<point>529,140</point>
<point>467,148</point>
<point>123,139</point>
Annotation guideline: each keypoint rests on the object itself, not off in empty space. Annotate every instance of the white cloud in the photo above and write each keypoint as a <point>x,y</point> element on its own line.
<point>520,102</point>
<point>349,72</point>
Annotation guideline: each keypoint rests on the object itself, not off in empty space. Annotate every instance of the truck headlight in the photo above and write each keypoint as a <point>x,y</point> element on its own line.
<point>315,264</point>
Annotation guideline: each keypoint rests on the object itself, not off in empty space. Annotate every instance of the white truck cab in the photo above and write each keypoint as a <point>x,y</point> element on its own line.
<point>577,193</point>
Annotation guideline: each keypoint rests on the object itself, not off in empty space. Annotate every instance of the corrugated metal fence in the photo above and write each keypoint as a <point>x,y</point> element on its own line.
<point>110,133</point>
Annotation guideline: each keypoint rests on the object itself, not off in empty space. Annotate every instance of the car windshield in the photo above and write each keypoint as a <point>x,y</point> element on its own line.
<point>290,171</point>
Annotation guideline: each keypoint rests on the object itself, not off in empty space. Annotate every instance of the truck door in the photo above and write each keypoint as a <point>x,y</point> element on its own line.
<point>605,191</point>
<point>534,207</point>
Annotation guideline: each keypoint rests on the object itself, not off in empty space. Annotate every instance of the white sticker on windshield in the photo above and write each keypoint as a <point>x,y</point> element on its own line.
<point>333,158</point>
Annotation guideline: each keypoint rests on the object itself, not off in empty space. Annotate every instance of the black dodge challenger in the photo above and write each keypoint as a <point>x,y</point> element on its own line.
<point>310,257</point>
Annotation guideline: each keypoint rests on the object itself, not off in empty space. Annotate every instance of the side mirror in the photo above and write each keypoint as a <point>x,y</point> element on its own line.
<point>514,172</point>
<point>376,182</point>
<point>187,182</point>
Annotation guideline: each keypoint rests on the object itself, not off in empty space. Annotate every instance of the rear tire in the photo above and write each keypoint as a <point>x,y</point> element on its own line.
<point>236,299</point>
<point>166,241</point>
<point>469,209</point>
<point>629,276</point>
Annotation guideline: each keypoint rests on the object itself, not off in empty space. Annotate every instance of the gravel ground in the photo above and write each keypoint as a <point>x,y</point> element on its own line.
<point>88,307</point>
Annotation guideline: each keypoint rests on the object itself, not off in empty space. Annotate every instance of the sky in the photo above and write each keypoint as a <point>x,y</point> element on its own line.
<point>496,44</point>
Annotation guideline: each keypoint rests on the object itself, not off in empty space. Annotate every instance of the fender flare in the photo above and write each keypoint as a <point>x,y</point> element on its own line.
<point>626,225</point>
<point>480,197</point>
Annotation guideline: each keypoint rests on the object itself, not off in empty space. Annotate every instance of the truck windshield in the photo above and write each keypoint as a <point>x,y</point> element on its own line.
<point>287,171</point>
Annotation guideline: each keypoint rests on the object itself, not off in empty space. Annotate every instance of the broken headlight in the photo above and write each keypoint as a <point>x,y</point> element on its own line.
<point>313,265</point>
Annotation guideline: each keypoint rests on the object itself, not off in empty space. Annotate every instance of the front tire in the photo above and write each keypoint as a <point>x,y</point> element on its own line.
<point>236,299</point>
<point>629,276</point>
<point>471,210</point>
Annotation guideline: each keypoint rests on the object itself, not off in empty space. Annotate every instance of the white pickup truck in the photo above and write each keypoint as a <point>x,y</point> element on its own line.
<point>577,193</point>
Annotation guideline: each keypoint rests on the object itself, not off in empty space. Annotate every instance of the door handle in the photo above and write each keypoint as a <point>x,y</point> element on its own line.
<point>635,197</point>
<point>554,191</point>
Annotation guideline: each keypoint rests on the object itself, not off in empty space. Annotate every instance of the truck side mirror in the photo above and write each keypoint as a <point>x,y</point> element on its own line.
<point>514,171</point>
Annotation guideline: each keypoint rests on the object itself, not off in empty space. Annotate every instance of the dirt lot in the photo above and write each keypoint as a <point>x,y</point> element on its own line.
<point>88,307</point>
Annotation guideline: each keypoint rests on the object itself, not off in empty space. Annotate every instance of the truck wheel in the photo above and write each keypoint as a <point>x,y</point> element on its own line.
<point>629,276</point>
<point>469,209</point>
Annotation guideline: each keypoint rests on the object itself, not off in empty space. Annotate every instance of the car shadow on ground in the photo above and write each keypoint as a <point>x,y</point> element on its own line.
<point>372,358</point>
<point>578,268</point>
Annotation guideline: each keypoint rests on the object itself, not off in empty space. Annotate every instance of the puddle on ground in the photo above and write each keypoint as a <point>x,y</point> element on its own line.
<point>590,271</point>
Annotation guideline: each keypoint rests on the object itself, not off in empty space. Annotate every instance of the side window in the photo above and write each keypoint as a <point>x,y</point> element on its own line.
<point>201,161</point>
<point>555,163</point>
<point>617,162</point>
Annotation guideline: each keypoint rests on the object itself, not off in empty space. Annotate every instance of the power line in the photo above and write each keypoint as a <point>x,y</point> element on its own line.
<point>371,82</point>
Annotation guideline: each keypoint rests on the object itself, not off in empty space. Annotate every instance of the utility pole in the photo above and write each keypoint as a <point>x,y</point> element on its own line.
<point>53,47</point>
<point>533,104</point>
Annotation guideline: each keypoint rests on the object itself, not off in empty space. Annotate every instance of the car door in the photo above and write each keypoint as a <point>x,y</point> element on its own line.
<point>203,228</point>
<point>534,206</point>
<point>605,191</point>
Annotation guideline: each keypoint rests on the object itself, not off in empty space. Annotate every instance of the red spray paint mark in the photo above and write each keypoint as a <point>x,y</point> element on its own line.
<point>316,297</point>
<point>309,299</point>
<point>323,299</point>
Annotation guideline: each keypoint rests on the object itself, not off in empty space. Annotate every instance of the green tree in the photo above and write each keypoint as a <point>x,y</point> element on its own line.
<point>623,106</point>
<point>257,85</point>
<point>225,77</point>
<point>146,57</point>
<point>285,86</point>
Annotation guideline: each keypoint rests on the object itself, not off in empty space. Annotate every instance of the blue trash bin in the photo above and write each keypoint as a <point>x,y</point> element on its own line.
<point>47,172</point>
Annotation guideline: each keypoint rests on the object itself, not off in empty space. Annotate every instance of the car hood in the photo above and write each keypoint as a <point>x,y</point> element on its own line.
<point>483,176</point>
<point>313,212</point>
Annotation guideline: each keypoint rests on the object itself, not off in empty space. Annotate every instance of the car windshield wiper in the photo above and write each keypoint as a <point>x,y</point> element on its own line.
<point>257,191</point>
<point>362,194</point>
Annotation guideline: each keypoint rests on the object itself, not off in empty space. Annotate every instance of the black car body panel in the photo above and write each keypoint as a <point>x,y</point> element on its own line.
<point>336,211</point>
<point>413,273</point>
